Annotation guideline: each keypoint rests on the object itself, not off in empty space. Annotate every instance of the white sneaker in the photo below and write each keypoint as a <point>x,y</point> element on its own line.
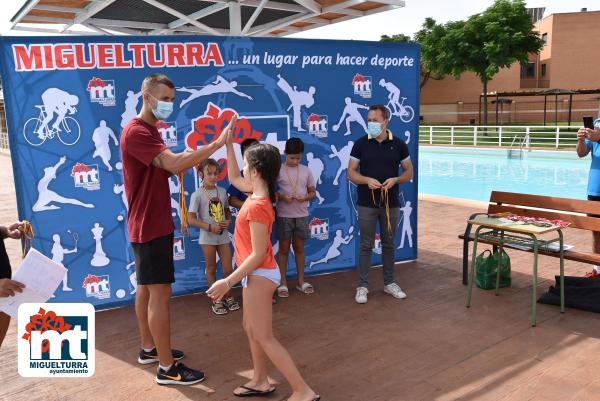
<point>394,290</point>
<point>361,295</point>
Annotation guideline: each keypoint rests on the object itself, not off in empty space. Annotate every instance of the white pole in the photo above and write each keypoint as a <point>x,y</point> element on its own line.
<point>235,19</point>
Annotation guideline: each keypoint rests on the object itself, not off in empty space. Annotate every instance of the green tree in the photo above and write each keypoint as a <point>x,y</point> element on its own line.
<point>494,39</point>
<point>436,61</point>
<point>437,55</point>
<point>500,36</point>
<point>401,38</point>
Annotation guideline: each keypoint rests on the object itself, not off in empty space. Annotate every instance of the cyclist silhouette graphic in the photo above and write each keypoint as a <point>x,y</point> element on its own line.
<point>55,102</point>
<point>60,102</point>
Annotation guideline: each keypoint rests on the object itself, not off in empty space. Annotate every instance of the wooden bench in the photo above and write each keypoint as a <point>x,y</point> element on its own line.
<point>582,214</point>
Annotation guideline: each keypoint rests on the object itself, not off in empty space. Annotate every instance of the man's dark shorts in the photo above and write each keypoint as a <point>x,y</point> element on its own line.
<point>287,227</point>
<point>154,261</point>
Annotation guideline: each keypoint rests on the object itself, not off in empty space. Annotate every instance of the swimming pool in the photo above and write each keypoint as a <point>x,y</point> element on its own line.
<point>472,173</point>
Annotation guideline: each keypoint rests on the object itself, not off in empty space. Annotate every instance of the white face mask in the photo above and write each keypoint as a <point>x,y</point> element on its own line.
<point>163,109</point>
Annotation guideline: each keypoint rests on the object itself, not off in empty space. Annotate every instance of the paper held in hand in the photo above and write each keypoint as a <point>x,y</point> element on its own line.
<point>41,277</point>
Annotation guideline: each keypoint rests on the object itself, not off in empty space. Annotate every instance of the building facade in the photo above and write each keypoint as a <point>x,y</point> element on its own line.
<point>569,60</point>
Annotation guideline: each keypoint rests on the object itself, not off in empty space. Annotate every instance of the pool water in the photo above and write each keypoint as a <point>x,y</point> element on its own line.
<point>472,173</point>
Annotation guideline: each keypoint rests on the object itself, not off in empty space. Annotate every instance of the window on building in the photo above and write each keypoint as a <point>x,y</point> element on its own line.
<point>545,38</point>
<point>528,70</point>
<point>543,72</point>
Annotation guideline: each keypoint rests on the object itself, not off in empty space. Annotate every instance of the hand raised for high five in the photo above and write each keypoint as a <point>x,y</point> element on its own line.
<point>227,133</point>
<point>231,132</point>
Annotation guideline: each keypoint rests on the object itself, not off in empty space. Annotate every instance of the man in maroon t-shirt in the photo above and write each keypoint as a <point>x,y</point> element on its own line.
<point>147,166</point>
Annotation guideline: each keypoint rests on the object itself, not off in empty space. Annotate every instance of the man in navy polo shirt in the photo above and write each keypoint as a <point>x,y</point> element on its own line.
<point>374,166</point>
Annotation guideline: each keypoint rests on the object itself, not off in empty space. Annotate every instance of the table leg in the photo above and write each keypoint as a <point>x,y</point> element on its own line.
<point>499,268</point>
<point>534,290</point>
<point>472,272</point>
<point>562,272</point>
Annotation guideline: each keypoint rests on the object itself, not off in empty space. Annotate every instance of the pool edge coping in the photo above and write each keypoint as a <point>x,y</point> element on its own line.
<point>453,201</point>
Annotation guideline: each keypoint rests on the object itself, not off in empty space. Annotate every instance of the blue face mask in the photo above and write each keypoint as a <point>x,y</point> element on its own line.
<point>163,109</point>
<point>374,129</point>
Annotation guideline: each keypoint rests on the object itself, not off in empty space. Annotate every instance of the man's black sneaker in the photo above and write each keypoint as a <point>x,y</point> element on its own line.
<point>152,356</point>
<point>179,374</point>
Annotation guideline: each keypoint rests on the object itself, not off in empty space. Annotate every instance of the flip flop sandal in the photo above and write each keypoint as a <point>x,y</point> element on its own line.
<point>283,291</point>
<point>252,392</point>
<point>231,304</point>
<point>219,308</point>
<point>306,288</point>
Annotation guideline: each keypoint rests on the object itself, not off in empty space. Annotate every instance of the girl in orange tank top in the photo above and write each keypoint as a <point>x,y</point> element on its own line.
<point>258,270</point>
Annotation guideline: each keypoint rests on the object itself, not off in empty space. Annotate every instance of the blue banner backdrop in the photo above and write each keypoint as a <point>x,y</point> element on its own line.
<point>67,99</point>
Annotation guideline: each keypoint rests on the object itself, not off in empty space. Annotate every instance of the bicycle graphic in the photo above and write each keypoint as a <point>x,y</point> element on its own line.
<point>36,131</point>
<point>405,113</point>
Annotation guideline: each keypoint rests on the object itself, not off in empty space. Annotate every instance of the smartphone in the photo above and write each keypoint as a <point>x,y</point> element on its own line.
<point>588,122</point>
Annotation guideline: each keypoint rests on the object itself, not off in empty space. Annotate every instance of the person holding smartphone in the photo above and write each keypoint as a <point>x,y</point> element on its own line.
<point>588,141</point>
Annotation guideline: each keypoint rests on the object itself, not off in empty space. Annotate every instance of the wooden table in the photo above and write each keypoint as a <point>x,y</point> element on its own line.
<point>497,229</point>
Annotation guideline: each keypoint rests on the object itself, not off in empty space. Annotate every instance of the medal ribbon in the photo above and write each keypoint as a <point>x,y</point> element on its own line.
<point>28,235</point>
<point>384,200</point>
<point>185,225</point>
<point>294,185</point>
